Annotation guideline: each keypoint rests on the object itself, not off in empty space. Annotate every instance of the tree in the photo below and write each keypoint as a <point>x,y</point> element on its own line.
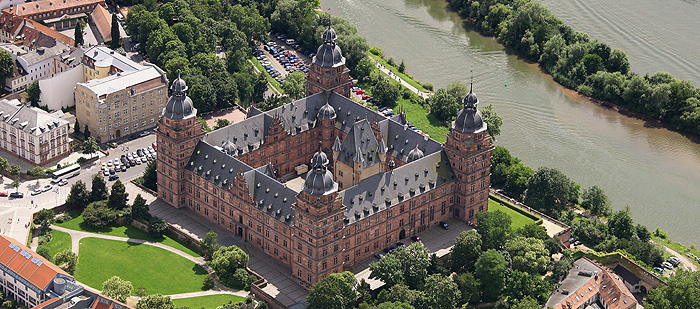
<point>155,301</point>
<point>76,127</point>
<point>220,123</point>
<point>442,292</point>
<point>363,69</point>
<point>407,265</point>
<point>115,32</point>
<point>44,218</point>
<point>157,227</point>
<point>90,146</point>
<point>14,170</point>
<point>226,260</point>
<point>86,132</point>
<point>386,93</point>
<point>642,233</point>
<point>118,197</point>
<point>595,201</point>
<point>3,164</point>
<point>336,291</point>
<point>492,120</point>
<point>99,189</point>
<point>681,292</point>
<point>78,196</point>
<point>295,85</point>
<point>117,288</point>
<point>402,67</point>
<point>7,65</point>
<point>621,225</point>
<point>533,230</point>
<point>139,209</point>
<point>15,184</point>
<point>150,176</point>
<point>208,244</point>
<point>526,303</point>
<point>78,34</point>
<point>490,270</point>
<point>443,105</point>
<point>548,190</point>
<point>33,93</point>
<point>516,177</point>
<point>494,227</point>
<point>394,305</point>
<point>468,287</point>
<point>66,260</point>
<point>528,254</point>
<point>466,251</point>
<point>97,214</point>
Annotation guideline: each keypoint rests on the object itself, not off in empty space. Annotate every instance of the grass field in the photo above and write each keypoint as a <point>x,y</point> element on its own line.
<point>207,302</point>
<point>275,84</point>
<point>157,270</point>
<point>125,231</point>
<point>59,241</point>
<point>519,220</point>
<point>403,76</point>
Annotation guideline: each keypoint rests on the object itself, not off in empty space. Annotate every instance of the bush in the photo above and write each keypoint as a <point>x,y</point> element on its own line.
<point>97,214</point>
<point>37,171</point>
<point>63,218</point>
<point>45,239</point>
<point>376,50</point>
<point>242,278</point>
<point>157,227</point>
<point>428,86</point>
<point>660,233</point>
<point>391,62</point>
<point>208,283</point>
<point>82,160</point>
<point>44,252</point>
<point>406,93</point>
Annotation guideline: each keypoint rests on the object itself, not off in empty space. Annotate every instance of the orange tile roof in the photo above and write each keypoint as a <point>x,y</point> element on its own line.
<point>48,302</point>
<point>52,33</point>
<point>103,21</point>
<point>27,264</point>
<point>43,6</point>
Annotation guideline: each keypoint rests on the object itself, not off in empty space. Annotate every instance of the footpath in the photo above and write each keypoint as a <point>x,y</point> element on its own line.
<point>219,288</point>
<point>404,83</point>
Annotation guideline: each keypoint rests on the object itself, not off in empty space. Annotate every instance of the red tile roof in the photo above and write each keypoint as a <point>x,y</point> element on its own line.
<point>48,302</point>
<point>44,6</point>
<point>103,21</point>
<point>52,33</point>
<point>27,264</point>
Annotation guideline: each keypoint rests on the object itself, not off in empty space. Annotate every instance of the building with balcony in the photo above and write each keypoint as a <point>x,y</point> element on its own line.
<point>32,134</point>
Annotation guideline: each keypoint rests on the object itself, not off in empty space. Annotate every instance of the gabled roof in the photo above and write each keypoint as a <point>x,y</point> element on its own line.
<point>44,6</point>
<point>50,33</point>
<point>29,119</point>
<point>400,140</point>
<point>360,146</point>
<point>28,265</point>
<point>271,196</point>
<point>381,191</point>
<point>246,135</point>
<point>214,165</point>
<point>103,20</point>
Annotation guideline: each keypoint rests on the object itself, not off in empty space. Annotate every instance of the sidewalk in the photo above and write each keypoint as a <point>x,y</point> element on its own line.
<point>391,74</point>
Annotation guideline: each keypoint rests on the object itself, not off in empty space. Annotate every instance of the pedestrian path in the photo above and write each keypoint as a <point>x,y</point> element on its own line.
<point>207,293</point>
<point>219,288</point>
<point>391,74</point>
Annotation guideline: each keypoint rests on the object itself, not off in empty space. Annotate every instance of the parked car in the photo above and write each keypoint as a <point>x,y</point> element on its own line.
<point>36,192</point>
<point>444,225</point>
<point>674,261</point>
<point>16,195</point>
<point>667,265</point>
<point>400,244</point>
<point>659,270</point>
<point>113,177</point>
<point>63,182</point>
<point>378,255</point>
<point>47,188</point>
<point>415,238</point>
<point>123,168</point>
<point>109,163</point>
<point>392,248</point>
<point>3,194</point>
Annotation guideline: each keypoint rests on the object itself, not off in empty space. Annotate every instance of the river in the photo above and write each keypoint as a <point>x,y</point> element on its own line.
<point>656,172</point>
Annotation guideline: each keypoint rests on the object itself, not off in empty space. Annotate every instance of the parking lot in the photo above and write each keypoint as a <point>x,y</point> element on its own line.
<point>280,58</point>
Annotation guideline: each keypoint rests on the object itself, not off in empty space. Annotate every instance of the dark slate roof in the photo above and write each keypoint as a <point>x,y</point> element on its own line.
<point>270,196</point>
<point>626,275</point>
<point>360,145</point>
<point>383,190</point>
<point>348,112</point>
<point>179,105</point>
<point>300,115</point>
<point>29,119</point>
<point>214,165</point>
<point>400,140</point>
<point>253,111</point>
<point>469,119</point>
<point>246,135</point>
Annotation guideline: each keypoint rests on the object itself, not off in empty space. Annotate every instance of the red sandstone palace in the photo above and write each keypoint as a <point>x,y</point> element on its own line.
<point>372,180</point>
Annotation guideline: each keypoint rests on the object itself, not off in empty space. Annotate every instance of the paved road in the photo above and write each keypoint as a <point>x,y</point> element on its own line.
<point>684,260</point>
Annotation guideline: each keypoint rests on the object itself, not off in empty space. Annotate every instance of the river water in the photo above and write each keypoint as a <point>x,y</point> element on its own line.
<point>656,172</point>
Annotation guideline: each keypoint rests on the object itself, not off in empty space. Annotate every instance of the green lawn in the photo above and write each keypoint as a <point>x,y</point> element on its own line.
<point>403,76</point>
<point>125,231</point>
<point>519,220</point>
<point>275,84</point>
<point>156,269</point>
<point>207,302</point>
<point>59,241</point>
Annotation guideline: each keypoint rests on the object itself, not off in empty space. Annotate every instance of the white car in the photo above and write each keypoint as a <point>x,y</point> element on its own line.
<point>36,192</point>
<point>63,182</point>
<point>109,163</point>
<point>47,188</point>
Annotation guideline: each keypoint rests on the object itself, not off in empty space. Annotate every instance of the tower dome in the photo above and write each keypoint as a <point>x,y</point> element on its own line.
<point>469,119</point>
<point>326,112</point>
<point>415,154</point>
<point>179,105</point>
<point>329,54</point>
<point>319,180</point>
<point>329,35</point>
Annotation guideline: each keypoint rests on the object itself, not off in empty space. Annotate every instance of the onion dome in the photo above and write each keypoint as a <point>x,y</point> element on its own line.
<point>415,154</point>
<point>319,180</point>
<point>336,145</point>
<point>326,112</point>
<point>469,119</point>
<point>179,105</point>
<point>329,54</point>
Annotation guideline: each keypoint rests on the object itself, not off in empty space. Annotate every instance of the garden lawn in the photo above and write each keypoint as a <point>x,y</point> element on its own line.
<point>125,231</point>
<point>519,220</point>
<point>59,241</point>
<point>155,269</point>
<point>208,302</point>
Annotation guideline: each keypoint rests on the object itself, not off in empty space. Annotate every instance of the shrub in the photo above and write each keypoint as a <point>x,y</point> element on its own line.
<point>208,283</point>
<point>37,171</point>
<point>44,252</point>
<point>63,218</point>
<point>97,214</point>
<point>660,233</point>
<point>82,160</point>
<point>45,239</point>
<point>157,227</point>
<point>406,93</point>
<point>428,86</point>
<point>242,278</point>
<point>376,50</point>
<point>391,62</point>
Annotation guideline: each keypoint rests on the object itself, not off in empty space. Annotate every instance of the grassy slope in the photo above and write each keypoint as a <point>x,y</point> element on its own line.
<point>59,241</point>
<point>125,231</point>
<point>275,84</point>
<point>207,302</point>
<point>403,76</point>
<point>519,220</point>
<point>681,249</point>
<point>157,270</point>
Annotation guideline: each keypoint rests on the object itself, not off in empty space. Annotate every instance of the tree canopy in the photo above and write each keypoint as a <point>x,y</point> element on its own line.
<point>335,291</point>
<point>295,85</point>
<point>99,189</point>
<point>117,288</point>
<point>407,265</point>
<point>491,270</point>
<point>466,251</point>
<point>548,190</point>
<point>118,197</point>
<point>78,197</point>
<point>494,227</point>
<point>155,301</point>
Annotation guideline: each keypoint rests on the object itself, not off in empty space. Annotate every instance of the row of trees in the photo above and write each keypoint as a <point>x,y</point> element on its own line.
<point>577,62</point>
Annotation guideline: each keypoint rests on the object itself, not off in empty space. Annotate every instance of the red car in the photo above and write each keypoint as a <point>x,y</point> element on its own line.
<point>365,97</point>
<point>3,194</point>
<point>360,91</point>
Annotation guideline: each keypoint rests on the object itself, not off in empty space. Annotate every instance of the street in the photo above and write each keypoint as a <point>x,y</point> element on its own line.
<point>15,214</point>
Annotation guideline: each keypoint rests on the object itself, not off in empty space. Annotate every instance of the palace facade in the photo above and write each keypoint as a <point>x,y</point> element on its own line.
<point>371,182</point>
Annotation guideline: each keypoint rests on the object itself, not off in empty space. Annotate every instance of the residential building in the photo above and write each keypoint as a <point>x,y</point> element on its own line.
<point>589,285</point>
<point>51,11</point>
<point>32,134</point>
<point>102,20</point>
<point>34,282</point>
<point>24,31</point>
<point>119,97</point>
<point>36,64</point>
<point>9,3</point>
<point>372,181</point>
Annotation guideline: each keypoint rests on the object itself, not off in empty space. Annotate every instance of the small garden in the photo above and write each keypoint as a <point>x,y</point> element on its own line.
<point>518,219</point>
